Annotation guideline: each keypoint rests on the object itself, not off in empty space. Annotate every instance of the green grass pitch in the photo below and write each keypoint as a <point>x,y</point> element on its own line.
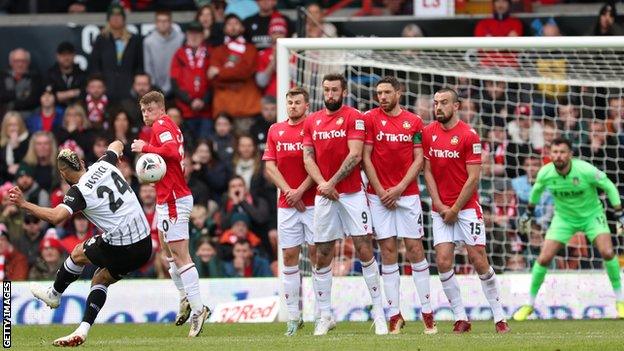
<point>530,335</point>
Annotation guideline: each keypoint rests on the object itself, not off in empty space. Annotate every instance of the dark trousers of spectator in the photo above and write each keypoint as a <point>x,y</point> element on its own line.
<point>200,127</point>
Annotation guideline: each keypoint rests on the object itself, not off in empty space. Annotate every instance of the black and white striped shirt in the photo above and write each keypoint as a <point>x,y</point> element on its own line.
<point>106,199</point>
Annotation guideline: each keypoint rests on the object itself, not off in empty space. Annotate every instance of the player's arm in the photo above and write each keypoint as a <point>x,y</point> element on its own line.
<point>348,164</point>
<point>276,177</point>
<point>117,147</point>
<point>432,187</point>
<point>413,170</point>
<point>369,169</point>
<point>469,188</point>
<point>603,182</point>
<point>309,161</point>
<point>54,215</point>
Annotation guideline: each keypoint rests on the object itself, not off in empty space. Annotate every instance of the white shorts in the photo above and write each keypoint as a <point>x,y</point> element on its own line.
<point>405,221</point>
<point>294,227</point>
<point>174,222</point>
<point>349,215</point>
<point>468,229</point>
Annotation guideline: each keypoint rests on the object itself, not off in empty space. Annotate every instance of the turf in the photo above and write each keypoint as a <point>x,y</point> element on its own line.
<point>531,335</point>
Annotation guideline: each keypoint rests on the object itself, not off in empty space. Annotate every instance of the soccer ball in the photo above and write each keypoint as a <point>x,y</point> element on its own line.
<point>150,168</point>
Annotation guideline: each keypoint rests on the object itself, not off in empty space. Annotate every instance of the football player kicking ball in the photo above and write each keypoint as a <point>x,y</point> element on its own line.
<point>574,184</point>
<point>393,158</point>
<point>173,207</point>
<point>333,139</point>
<point>104,197</point>
<point>452,152</point>
<point>295,214</point>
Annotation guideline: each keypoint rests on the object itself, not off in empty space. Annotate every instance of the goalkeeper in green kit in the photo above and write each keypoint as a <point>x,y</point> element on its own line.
<point>573,184</point>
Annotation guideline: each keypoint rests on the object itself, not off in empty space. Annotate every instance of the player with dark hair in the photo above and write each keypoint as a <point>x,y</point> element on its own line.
<point>393,157</point>
<point>574,186</point>
<point>104,197</point>
<point>174,204</point>
<point>452,151</point>
<point>333,139</point>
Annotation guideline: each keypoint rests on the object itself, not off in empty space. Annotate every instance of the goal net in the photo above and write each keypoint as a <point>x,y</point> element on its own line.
<point>518,94</point>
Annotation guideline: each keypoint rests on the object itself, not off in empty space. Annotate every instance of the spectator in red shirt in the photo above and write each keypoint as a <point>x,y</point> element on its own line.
<point>266,77</point>
<point>189,83</point>
<point>47,116</point>
<point>501,25</point>
<point>96,100</point>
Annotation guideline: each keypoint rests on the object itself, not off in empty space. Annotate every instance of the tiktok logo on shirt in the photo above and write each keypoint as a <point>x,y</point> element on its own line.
<point>331,134</point>
<point>395,138</point>
<point>289,146</point>
<point>443,153</point>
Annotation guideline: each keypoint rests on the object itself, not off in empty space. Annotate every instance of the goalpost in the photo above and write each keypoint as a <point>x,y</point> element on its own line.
<point>523,86</point>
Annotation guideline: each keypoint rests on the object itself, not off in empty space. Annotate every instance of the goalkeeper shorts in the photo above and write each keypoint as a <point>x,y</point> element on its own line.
<point>562,230</point>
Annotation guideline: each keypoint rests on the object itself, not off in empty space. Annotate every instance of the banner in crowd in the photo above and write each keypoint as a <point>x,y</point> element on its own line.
<point>563,296</point>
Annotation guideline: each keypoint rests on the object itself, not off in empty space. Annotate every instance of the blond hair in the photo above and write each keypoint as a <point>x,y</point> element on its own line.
<point>68,159</point>
<point>153,96</point>
<point>79,110</point>
<point>31,156</point>
<point>4,136</point>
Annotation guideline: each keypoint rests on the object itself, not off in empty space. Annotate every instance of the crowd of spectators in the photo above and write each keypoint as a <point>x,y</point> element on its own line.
<point>220,83</point>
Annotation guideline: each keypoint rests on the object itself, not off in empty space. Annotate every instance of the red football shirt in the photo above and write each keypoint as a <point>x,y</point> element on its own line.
<point>264,59</point>
<point>285,147</point>
<point>448,152</point>
<point>328,134</point>
<point>168,142</point>
<point>393,139</point>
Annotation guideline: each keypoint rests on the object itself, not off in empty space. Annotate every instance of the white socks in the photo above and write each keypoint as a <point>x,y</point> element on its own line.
<point>175,276</point>
<point>317,310</point>
<point>190,280</point>
<point>452,292</point>
<point>322,290</point>
<point>420,274</point>
<point>370,271</point>
<point>489,284</point>
<point>83,328</point>
<point>291,280</point>
<point>391,282</point>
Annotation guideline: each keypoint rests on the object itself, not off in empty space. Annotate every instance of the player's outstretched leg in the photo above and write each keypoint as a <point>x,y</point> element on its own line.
<point>184,310</point>
<point>421,277</point>
<point>95,301</point>
<point>538,273</point>
<point>612,266</point>
<point>200,313</point>
<point>68,273</point>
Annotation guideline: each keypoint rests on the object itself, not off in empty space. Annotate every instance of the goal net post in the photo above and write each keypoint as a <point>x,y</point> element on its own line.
<point>518,93</point>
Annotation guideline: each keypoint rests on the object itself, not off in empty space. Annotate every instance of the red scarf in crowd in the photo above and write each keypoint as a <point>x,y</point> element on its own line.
<point>236,48</point>
<point>95,108</point>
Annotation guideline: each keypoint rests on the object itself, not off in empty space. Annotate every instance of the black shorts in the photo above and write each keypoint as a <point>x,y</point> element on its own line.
<point>119,260</point>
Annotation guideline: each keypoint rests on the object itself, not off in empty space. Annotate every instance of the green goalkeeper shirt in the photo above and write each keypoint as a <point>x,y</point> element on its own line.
<point>575,194</point>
